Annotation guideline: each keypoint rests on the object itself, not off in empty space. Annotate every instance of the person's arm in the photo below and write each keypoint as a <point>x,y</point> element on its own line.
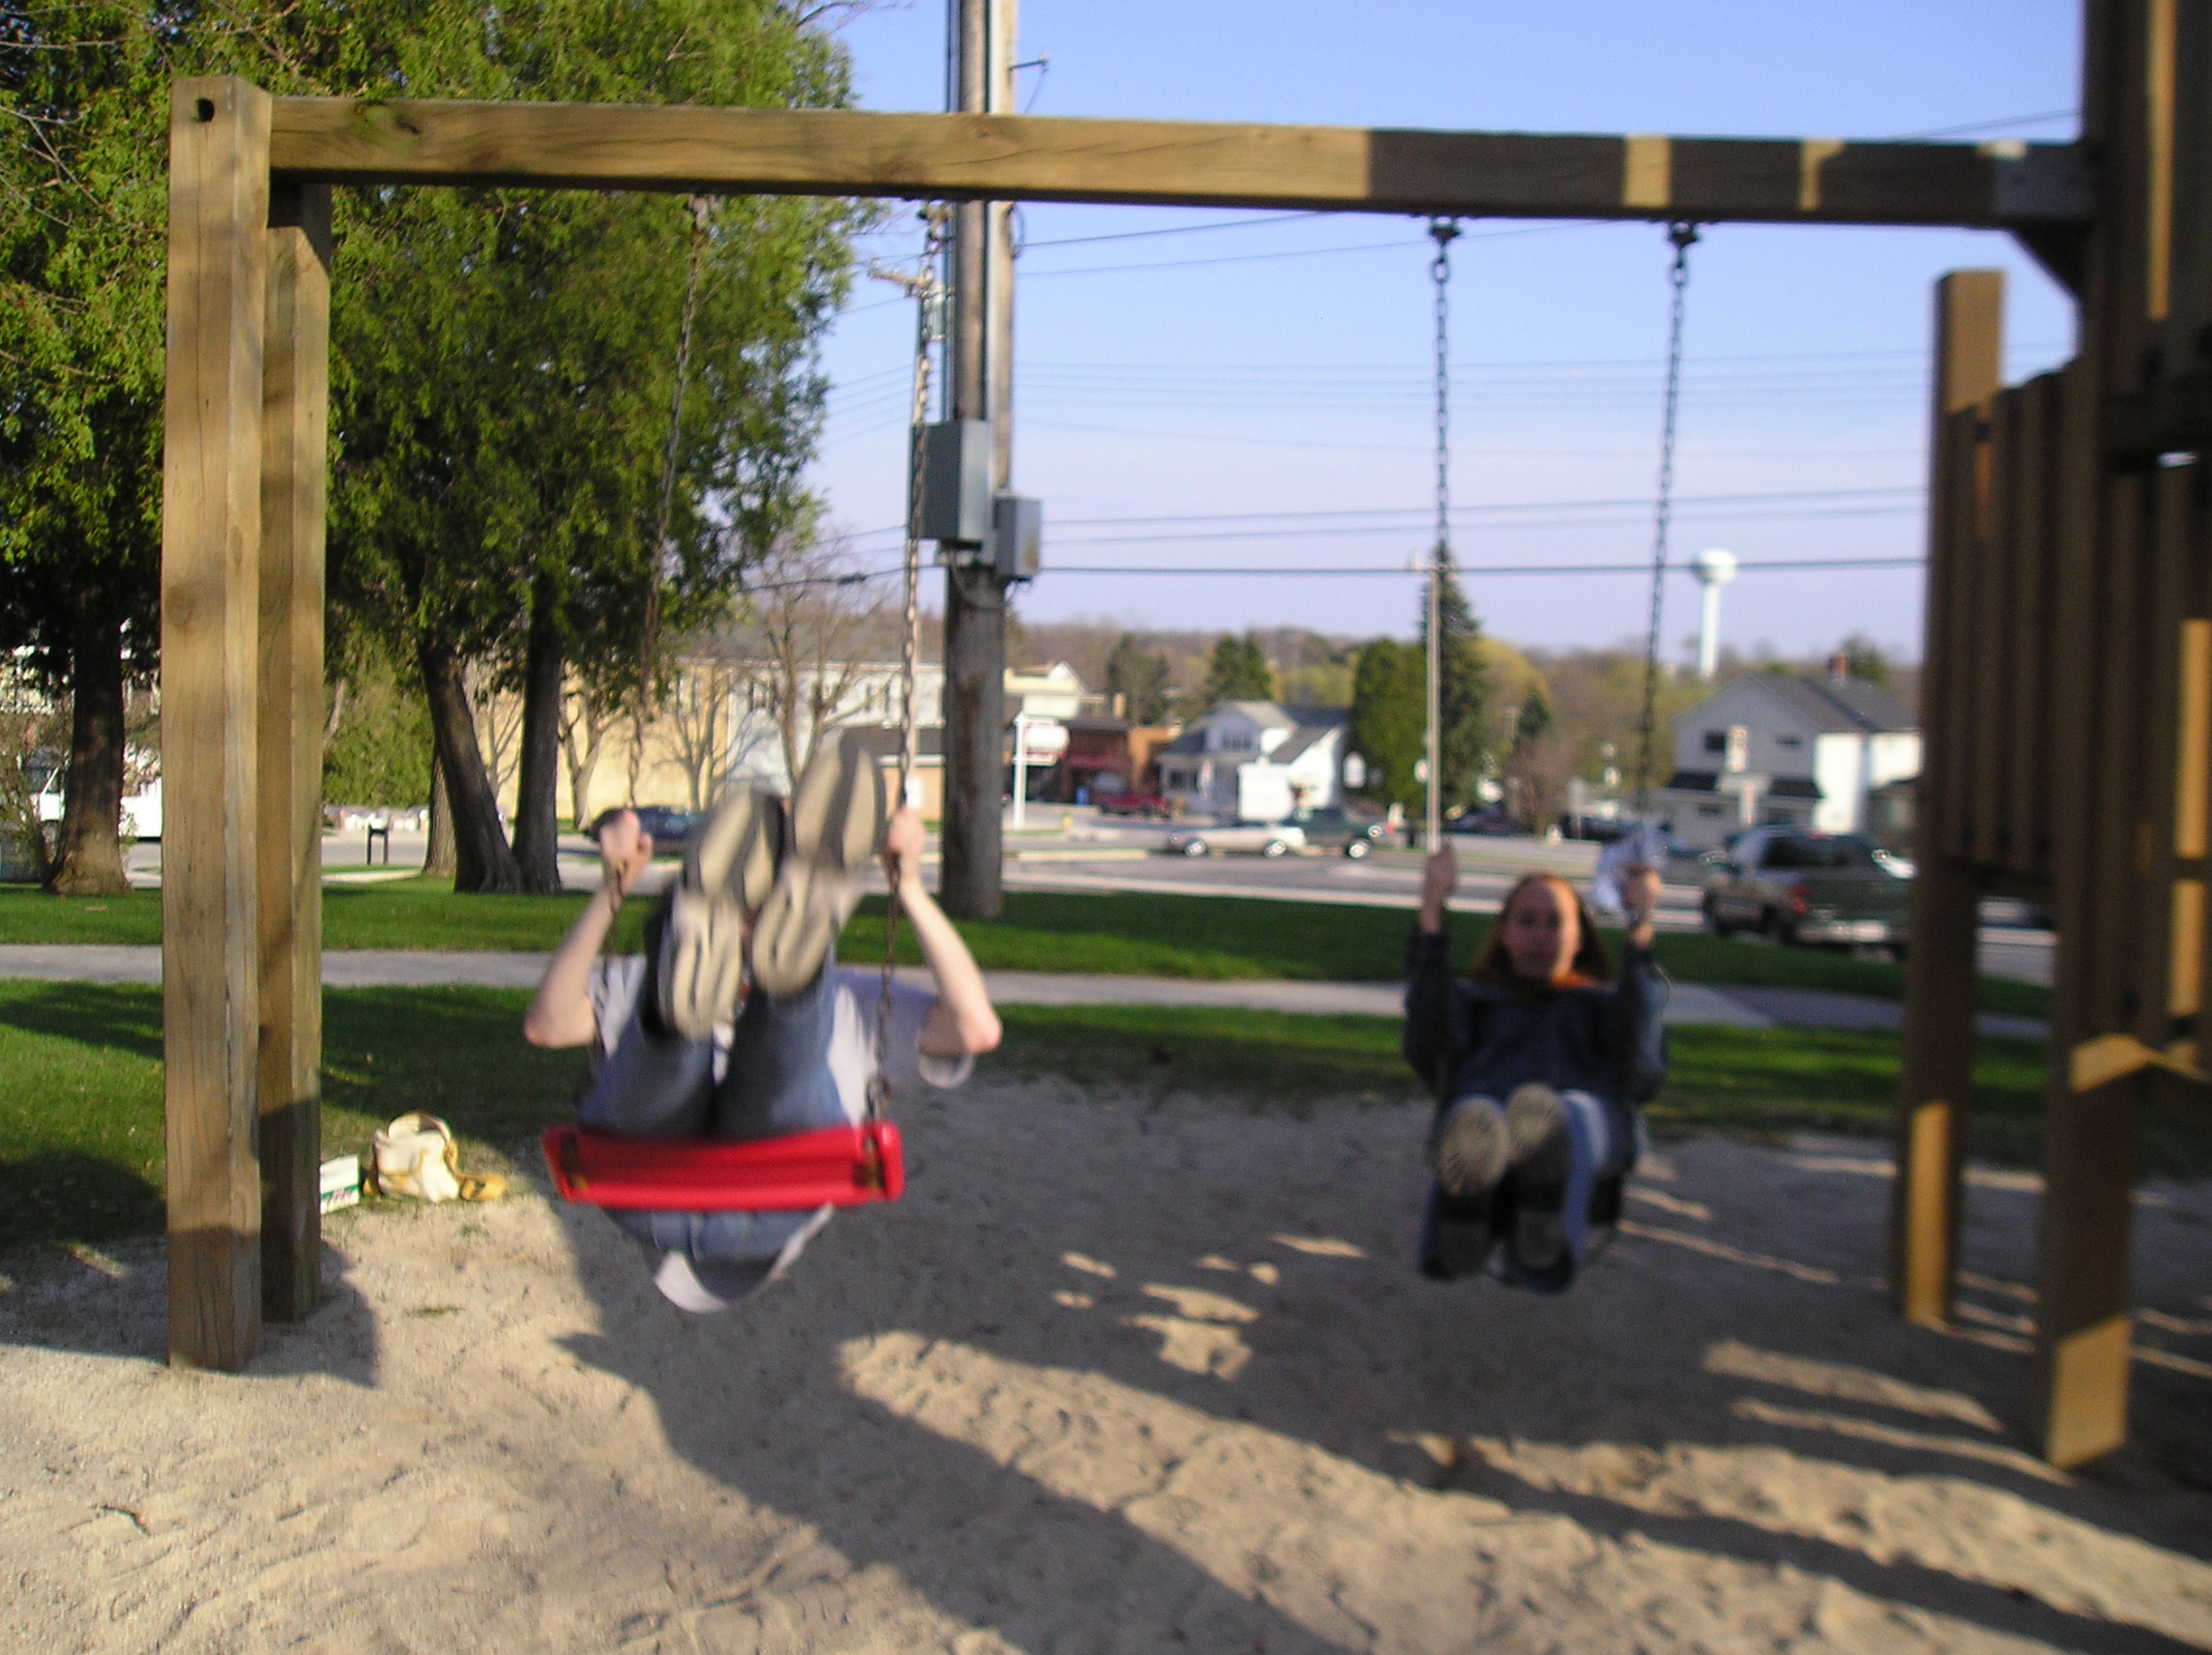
<point>1641,996</point>
<point>560,1012</point>
<point>1426,1038</point>
<point>962,1021</point>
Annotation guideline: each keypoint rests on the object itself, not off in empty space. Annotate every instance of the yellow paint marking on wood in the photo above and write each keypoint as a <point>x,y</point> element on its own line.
<point>1648,170</point>
<point>1812,155</point>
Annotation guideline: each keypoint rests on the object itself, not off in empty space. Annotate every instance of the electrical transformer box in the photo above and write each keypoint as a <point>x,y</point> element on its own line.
<point>1017,537</point>
<point>956,483</point>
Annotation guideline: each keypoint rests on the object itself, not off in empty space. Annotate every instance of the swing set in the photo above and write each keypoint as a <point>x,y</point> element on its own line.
<point>2094,540</point>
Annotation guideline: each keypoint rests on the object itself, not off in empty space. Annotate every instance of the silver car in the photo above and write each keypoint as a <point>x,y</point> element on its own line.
<point>1269,839</point>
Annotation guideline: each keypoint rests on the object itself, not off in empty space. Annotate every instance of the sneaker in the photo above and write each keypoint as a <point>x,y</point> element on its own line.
<point>699,958</point>
<point>737,848</point>
<point>1470,1154</point>
<point>1542,1156</point>
<point>837,819</point>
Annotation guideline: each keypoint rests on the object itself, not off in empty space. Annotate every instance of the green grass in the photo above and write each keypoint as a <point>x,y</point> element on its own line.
<point>1131,934</point>
<point>80,1114</point>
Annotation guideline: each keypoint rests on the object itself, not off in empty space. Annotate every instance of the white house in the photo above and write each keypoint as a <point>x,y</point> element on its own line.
<point>1257,760</point>
<point>1786,747</point>
<point>865,693</point>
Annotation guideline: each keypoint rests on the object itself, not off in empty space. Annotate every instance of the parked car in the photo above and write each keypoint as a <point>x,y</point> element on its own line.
<point>1332,827</point>
<point>1146,804</point>
<point>1269,839</point>
<point>669,827</point>
<point>1792,885</point>
<point>1493,820</point>
<point>1595,829</point>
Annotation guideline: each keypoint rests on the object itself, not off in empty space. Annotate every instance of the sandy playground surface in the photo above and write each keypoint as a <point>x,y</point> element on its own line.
<point>1135,1376</point>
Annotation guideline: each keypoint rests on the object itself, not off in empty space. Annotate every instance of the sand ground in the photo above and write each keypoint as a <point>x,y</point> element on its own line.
<point>1121,1374</point>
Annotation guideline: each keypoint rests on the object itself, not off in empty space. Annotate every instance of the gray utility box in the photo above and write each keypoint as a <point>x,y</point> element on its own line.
<point>1017,537</point>
<point>956,483</point>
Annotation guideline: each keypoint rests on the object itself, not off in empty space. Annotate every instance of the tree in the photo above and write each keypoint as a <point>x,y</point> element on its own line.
<point>1864,658</point>
<point>1141,679</point>
<point>1534,721</point>
<point>797,652</point>
<point>1239,670</point>
<point>1389,716</point>
<point>1465,689</point>
<point>1538,765</point>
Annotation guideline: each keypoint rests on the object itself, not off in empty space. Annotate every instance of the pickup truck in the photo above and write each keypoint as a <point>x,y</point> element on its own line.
<point>1332,827</point>
<point>1262,838</point>
<point>1792,885</point>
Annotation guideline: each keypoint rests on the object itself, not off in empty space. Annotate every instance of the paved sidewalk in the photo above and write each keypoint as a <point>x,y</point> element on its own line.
<point>1735,1008</point>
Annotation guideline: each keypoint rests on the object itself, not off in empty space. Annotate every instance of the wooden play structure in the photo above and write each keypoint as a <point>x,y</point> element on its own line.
<point>2069,660</point>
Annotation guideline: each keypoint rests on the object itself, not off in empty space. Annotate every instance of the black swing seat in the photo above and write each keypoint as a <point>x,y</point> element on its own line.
<point>838,1165</point>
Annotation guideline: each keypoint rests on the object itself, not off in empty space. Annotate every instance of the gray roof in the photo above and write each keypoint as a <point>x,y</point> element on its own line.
<point>1192,741</point>
<point>1265,713</point>
<point>1840,706</point>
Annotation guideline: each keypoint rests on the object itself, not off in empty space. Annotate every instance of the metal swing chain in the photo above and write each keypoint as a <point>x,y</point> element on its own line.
<point>1683,236</point>
<point>925,290</point>
<point>1443,231</point>
<point>701,208</point>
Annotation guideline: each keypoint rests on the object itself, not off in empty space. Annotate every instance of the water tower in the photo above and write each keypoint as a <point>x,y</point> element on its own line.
<point>1714,569</point>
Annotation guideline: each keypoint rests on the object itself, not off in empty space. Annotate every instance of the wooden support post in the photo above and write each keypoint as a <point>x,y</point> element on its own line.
<point>210,537</point>
<point>1938,1060</point>
<point>2104,843</point>
<point>295,419</point>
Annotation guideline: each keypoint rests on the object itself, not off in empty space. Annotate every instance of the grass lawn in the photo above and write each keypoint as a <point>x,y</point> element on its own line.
<point>1132,934</point>
<point>80,1116</point>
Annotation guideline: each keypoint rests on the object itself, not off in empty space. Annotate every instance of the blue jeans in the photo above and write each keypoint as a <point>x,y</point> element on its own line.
<point>777,1082</point>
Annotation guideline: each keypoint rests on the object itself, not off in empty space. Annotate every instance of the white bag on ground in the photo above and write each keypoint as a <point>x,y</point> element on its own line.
<point>415,1155</point>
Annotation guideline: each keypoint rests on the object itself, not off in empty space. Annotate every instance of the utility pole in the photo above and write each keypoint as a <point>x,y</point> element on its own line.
<point>982,383</point>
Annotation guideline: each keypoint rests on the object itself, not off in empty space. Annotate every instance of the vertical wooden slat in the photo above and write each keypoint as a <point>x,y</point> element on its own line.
<point>1985,761</point>
<point>1937,1071</point>
<point>2083,1325</point>
<point>1965,454</point>
<point>211,531</point>
<point>2029,695</point>
<point>293,425</point>
<point>2164,611</point>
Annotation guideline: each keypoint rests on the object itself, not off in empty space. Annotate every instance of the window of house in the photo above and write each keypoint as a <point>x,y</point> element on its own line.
<point>1788,740</point>
<point>1716,740</point>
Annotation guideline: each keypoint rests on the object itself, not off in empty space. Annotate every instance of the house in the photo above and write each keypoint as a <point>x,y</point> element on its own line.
<point>1052,692</point>
<point>1106,756</point>
<point>1257,760</point>
<point>1822,752</point>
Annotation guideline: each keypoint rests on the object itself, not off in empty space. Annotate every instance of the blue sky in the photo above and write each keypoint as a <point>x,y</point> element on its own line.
<point>1174,390</point>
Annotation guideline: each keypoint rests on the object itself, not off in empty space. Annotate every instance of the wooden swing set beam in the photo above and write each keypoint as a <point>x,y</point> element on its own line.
<point>1174,164</point>
<point>244,472</point>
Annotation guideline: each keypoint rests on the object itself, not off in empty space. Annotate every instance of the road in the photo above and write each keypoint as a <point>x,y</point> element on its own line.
<point>1076,850</point>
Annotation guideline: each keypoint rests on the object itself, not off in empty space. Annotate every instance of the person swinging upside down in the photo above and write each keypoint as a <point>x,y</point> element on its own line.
<point>736,1022</point>
<point>1540,1061</point>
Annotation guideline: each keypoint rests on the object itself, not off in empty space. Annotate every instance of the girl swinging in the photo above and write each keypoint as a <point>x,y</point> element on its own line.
<point>1540,1059</point>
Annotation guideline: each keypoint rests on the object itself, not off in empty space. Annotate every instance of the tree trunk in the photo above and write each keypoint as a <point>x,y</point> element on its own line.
<point>482,863</point>
<point>536,824</point>
<point>89,862</point>
<point>581,765</point>
<point>437,856</point>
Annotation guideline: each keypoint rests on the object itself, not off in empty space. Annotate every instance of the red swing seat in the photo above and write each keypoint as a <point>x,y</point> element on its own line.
<point>839,1166</point>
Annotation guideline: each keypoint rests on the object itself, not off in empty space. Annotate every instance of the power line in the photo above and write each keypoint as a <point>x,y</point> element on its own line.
<point>1768,567</point>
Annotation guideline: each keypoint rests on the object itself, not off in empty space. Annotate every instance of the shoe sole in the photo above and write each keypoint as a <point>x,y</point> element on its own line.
<point>1542,1156</point>
<point>1470,1153</point>
<point>735,849</point>
<point>837,809</point>
<point>702,965</point>
<point>799,922</point>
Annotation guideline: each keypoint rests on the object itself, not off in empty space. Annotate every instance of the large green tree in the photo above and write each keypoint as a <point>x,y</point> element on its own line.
<point>1141,679</point>
<point>507,375</point>
<point>1239,670</point>
<point>1389,720</point>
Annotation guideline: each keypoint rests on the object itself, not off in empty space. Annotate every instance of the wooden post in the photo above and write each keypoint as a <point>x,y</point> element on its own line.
<point>295,419</point>
<point>210,537</point>
<point>2102,842</point>
<point>1939,1058</point>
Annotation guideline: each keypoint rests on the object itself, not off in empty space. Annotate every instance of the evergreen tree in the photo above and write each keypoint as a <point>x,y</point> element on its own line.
<point>1389,719</point>
<point>1238,671</point>
<point>1465,691</point>
<point>1534,720</point>
<point>1141,679</point>
<point>1864,658</point>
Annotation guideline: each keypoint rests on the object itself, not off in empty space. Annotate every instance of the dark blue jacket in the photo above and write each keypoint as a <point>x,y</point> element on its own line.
<point>1604,1039</point>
